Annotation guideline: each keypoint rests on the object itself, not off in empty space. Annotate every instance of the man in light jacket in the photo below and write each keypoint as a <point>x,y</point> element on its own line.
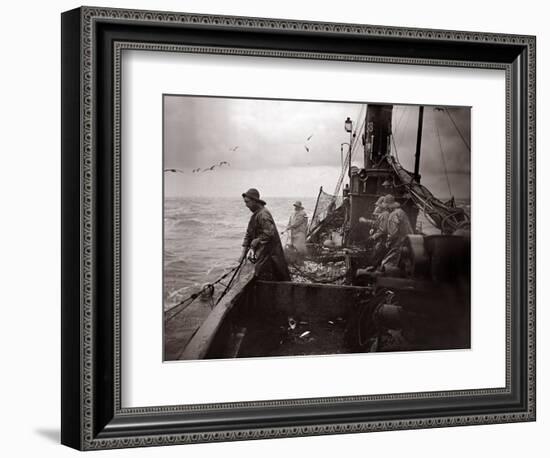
<point>297,225</point>
<point>399,225</point>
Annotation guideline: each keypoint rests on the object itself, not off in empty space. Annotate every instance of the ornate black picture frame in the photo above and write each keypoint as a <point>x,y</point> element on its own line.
<point>92,41</point>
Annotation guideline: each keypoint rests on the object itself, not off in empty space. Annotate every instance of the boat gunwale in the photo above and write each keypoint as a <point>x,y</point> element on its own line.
<point>198,345</point>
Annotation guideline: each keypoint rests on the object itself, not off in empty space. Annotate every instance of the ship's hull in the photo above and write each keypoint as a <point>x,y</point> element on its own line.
<point>266,319</point>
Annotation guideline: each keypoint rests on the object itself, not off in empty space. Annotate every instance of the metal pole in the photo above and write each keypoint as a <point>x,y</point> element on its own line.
<point>349,171</point>
<point>366,152</point>
<point>311,227</point>
<point>342,154</point>
<point>418,143</point>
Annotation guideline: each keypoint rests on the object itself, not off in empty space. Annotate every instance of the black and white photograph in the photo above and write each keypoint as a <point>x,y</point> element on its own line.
<point>297,228</point>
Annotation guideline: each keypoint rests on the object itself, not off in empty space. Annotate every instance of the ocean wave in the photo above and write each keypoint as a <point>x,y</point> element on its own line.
<point>215,224</point>
<point>203,237</point>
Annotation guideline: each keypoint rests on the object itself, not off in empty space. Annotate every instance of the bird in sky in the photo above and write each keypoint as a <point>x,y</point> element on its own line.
<point>224,163</point>
<point>196,170</point>
<point>209,168</point>
<point>173,170</point>
<point>309,138</point>
<point>307,149</point>
<point>235,148</point>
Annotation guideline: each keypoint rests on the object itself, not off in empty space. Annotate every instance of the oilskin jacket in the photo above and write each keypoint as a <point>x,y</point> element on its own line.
<point>298,227</point>
<point>399,226</point>
<point>297,222</point>
<point>262,236</point>
<point>381,227</point>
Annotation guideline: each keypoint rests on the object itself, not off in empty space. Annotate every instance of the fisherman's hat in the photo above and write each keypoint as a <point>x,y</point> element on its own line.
<point>298,204</point>
<point>390,202</point>
<point>380,202</point>
<point>253,194</point>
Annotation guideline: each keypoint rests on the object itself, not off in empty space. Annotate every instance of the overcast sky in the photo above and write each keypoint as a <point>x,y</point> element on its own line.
<point>265,143</point>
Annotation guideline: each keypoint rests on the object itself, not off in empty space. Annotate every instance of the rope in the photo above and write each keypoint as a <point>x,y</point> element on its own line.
<point>436,127</point>
<point>355,133</point>
<point>400,119</point>
<point>393,133</point>
<point>192,297</point>
<point>457,129</point>
<point>228,287</point>
<point>394,145</point>
<point>407,120</point>
<point>351,151</point>
<point>434,209</point>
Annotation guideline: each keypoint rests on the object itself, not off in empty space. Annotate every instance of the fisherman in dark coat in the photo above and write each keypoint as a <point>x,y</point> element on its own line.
<point>263,239</point>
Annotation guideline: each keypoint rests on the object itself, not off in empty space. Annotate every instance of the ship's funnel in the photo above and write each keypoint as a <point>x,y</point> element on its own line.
<point>377,133</point>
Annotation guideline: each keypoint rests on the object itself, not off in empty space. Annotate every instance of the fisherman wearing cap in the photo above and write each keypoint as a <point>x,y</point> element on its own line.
<point>386,256</point>
<point>262,238</point>
<point>399,225</point>
<point>297,225</point>
<point>387,185</point>
<point>379,230</point>
<point>380,225</point>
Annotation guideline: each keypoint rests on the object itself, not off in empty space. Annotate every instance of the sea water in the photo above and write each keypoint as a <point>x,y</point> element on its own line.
<point>203,238</point>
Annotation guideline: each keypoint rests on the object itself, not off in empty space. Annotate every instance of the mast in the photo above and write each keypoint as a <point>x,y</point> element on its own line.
<point>418,143</point>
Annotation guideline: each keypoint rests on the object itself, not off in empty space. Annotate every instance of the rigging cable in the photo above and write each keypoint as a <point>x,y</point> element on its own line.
<point>442,155</point>
<point>407,119</point>
<point>404,110</point>
<point>436,212</point>
<point>396,130</point>
<point>347,160</point>
<point>228,287</point>
<point>394,146</point>
<point>355,133</point>
<point>210,286</point>
<point>357,143</point>
<point>457,129</point>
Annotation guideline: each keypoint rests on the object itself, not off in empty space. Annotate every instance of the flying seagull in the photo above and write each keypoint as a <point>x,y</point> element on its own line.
<point>196,170</point>
<point>173,170</point>
<point>307,149</point>
<point>235,148</point>
<point>309,138</point>
<point>224,163</point>
<point>209,168</point>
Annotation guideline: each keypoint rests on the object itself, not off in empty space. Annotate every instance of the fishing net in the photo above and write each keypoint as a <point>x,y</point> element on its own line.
<point>310,271</point>
<point>325,206</point>
<point>323,264</point>
<point>443,215</point>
